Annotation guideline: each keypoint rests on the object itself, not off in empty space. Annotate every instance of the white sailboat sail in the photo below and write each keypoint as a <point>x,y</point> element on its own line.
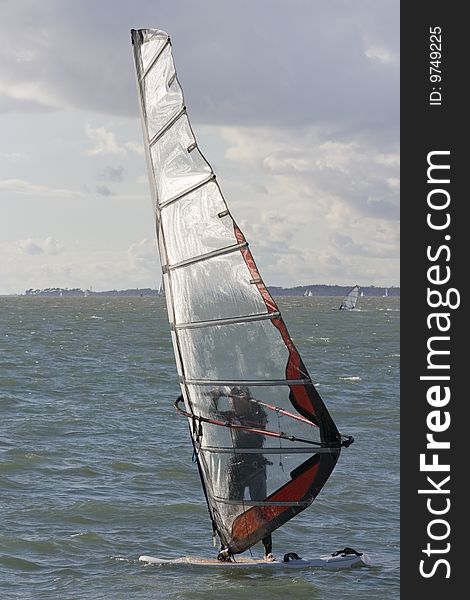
<point>350,300</point>
<point>265,443</point>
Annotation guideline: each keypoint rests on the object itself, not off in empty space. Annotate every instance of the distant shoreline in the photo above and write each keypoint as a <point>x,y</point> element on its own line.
<point>301,290</point>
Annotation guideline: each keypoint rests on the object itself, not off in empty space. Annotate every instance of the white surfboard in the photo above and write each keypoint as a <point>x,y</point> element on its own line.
<point>340,561</point>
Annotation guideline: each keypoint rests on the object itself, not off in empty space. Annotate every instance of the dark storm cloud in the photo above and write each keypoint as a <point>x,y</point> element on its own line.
<point>267,62</point>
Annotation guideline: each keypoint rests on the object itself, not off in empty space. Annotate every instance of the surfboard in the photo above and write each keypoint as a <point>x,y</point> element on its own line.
<point>324,562</point>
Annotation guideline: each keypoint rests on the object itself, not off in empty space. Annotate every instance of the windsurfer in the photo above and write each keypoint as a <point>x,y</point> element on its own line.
<point>246,469</point>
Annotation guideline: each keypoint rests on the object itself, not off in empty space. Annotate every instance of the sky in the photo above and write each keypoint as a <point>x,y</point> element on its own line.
<point>295,104</point>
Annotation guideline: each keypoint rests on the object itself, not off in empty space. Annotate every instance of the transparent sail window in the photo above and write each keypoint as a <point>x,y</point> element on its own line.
<point>242,351</point>
<point>201,230</point>
<point>216,288</point>
<point>178,170</point>
<point>265,407</point>
<point>163,95</point>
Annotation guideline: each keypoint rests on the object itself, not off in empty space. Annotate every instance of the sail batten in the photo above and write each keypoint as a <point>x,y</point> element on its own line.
<point>246,392</point>
<point>209,255</point>
<point>229,321</point>
<point>260,503</point>
<point>282,450</point>
<point>250,382</point>
<point>167,126</point>
<point>194,188</point>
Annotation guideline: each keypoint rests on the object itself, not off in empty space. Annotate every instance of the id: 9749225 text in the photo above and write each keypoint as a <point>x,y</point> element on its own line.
<point>435,71</point>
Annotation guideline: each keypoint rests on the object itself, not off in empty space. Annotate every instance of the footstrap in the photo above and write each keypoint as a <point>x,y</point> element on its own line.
<point>346,552</point>
<point>291,556</point>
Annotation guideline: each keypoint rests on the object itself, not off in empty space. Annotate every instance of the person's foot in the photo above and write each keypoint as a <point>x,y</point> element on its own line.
<point>224,556</point>
<point>270,557</point>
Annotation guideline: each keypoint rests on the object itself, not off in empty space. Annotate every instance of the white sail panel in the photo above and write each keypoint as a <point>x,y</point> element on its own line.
<point>196,217</point>
<point>241,351</point>
<point>163,96</point>
<point>214,295</point>
<point>153,41</point>
<point>179,164</point>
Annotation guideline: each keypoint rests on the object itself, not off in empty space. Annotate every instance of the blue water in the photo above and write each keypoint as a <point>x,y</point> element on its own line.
<point>95,465</point>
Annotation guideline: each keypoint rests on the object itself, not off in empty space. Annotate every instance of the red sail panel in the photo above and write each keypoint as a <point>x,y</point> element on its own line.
<point>256,277</point>
<point>258,521</point>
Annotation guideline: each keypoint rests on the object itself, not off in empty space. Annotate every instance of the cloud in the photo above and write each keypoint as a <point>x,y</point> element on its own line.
<point>114,174</point>
<point>29,247</point>
<point>46,262</point>
<point>30,95</point>
<point>343,179</point>
<point>15,156</point>
<point>143,254</point>
<point>103,190</point>
<point>309,63</point>
<point>20,186</point>
<point>105,142</point>
<point>381,55</point>
<point>49,246</point>
<point>320,209</point>
<point>136,147</point>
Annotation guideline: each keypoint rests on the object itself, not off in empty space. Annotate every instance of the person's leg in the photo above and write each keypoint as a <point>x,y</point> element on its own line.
<point>237,479</point>
<point>258,491</point>
<point>268,545</point>
<point>257,481</point>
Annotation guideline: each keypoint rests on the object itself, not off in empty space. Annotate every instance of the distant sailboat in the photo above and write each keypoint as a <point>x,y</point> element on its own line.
<point>308,294</point>
<point>161,291</point>
<point>243,382</point>
<point>386,293</point>
<point>349,301</point>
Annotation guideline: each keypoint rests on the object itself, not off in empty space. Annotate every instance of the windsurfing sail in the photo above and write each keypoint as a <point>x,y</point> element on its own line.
<point>265,442</point>
<point>349,301</point>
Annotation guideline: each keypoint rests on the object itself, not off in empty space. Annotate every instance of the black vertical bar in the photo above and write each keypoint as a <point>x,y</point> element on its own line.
<point>434,128</point>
